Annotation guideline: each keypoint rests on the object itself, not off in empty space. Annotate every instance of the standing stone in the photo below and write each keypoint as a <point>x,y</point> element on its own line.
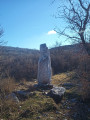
<point>44,66</point>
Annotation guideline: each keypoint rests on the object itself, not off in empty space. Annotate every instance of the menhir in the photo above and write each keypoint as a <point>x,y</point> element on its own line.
<point>44,66</point>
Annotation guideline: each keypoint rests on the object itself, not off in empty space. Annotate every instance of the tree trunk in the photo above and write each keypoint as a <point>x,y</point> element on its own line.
<point>86,45</point>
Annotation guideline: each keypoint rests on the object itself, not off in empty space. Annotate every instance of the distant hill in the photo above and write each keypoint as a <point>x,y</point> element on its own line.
<point>76,48</point>
<point>17,50</point>
<point>21,63</point>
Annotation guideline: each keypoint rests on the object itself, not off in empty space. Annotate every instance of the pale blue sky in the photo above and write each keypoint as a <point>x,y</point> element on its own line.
<point>26,23</point>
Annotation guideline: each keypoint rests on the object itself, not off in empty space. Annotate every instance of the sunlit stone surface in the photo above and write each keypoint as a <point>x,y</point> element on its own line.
<point>44,66</point>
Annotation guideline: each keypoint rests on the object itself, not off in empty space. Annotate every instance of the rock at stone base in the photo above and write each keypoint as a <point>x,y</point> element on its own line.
<point>43,86</point>
<point>57,93</point>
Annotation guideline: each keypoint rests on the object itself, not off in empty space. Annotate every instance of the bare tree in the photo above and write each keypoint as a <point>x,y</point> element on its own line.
<point>76,13</point>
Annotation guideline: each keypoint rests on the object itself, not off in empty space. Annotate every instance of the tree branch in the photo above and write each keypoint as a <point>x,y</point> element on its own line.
<point>66,35</point>
<point>86,17</point>
<point>82,5</point>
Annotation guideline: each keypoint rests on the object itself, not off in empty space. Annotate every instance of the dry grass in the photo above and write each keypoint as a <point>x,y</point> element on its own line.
<point>59,79</point>
<point>25,85</point>
<point>7,85</point>
<point>40,106</point>
<point>7,105</point>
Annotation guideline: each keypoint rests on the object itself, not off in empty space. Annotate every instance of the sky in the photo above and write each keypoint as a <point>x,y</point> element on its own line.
<point>29,23</point>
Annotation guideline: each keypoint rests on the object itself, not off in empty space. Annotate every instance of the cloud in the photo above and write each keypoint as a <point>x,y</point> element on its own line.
<point>51,32</point>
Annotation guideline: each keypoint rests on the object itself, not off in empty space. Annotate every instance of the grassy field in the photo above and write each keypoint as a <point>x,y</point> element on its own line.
<point>39,106</point>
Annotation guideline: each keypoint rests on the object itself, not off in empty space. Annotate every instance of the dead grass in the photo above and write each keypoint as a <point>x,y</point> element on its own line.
<point>7,86</point>
<point>59,79</point>
<point>42,107</point>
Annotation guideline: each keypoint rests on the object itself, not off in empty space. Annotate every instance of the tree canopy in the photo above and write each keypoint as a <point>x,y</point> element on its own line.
<point>76,13</point>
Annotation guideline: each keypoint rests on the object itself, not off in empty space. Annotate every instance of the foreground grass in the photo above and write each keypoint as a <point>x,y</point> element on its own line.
<point>42,107</point>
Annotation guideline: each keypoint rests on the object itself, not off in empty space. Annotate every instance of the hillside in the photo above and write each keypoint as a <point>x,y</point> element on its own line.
<point>17,50</point>
<point>70,69</point>
<point>21,63</point>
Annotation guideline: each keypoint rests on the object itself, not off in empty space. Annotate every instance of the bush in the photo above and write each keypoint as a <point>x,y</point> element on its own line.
<point>7,106</point>
<point>83,72</point>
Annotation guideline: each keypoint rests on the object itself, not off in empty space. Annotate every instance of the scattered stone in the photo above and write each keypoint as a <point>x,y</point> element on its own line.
<point>73,100</point>
<point>13,97</point>
<point>44,66</point>
<point>43,86</point>
<point>38,117</point>
<point>21,83</point>
<point>20,106</point>
<point>45,115</point>
<point>24,94</point>
<point>68,84</point>
<point>57,93</point>
<point>68,107</point>
<point>44,93</point>
<point>57,112</point>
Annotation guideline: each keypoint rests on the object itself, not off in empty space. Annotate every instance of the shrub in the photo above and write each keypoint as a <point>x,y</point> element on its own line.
<point>83,72</point>
<point>7,106</point>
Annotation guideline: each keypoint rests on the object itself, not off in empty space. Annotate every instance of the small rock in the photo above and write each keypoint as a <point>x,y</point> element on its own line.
<point>38,117</point>
<point>68,107</point>
<point>13,97</point>
<point>43,86</point>
<point>20,106</point>
<point>21,83</point>
<point>57,112</point>
<point>73,100</point>
<point>44,93</point>
<point>24,94</point>
<point>68,85</point>
<point>45,114</point>
<point>57,93</point>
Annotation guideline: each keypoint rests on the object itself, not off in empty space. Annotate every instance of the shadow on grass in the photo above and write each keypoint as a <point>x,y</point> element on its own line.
<point>79,110</point>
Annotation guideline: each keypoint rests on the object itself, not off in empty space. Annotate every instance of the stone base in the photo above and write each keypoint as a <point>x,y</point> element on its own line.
<point>44,86</point>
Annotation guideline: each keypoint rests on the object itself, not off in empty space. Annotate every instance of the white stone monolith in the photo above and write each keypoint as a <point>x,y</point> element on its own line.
<point>44,66</point>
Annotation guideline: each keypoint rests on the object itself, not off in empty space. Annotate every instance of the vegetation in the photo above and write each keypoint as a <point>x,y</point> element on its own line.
<point>41,106</point>
<point>76,14</point>
<point>70,65</point>
<point>70,69</point>
<point>23,63</point>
